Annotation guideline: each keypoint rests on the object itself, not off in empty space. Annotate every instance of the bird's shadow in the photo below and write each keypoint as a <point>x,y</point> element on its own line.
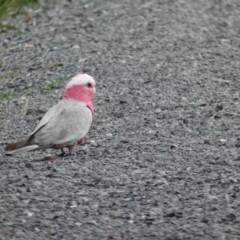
<point>54,157</point>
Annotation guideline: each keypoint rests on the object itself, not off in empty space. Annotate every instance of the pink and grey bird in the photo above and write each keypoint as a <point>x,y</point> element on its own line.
<point>65,124</point>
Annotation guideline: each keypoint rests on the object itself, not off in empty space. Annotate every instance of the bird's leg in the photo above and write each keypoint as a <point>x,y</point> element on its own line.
<point>70,148</point>
<point>55,156</point>
<point>81,141</point>
<point>62,152</point>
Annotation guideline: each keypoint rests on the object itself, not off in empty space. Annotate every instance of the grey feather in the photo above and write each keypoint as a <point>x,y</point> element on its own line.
<point>63,125</point>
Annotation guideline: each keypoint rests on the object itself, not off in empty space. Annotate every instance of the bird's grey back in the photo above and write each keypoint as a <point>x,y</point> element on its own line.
<point>63,124</point>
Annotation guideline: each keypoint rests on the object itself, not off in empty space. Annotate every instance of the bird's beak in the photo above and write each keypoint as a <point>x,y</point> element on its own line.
<point>94,90</point>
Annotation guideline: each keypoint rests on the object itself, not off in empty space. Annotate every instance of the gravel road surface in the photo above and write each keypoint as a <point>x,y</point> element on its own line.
<point>162,159</point>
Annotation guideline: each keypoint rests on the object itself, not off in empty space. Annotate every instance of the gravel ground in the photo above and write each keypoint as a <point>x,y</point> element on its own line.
<point>162,160</point>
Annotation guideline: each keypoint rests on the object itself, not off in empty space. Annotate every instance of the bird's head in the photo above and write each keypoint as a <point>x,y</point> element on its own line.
<point>81,88</point>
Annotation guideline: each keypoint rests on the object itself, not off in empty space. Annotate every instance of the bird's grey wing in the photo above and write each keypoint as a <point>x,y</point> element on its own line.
<point>71,124</point>
<point>53,111</point>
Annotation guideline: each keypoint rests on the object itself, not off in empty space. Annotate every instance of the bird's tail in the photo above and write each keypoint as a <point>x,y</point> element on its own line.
<point>20,147</point>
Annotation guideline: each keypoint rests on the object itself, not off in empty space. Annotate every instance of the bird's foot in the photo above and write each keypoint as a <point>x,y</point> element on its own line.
<point>71,152</point>
<point>53,157</point>
<point>62,154</point>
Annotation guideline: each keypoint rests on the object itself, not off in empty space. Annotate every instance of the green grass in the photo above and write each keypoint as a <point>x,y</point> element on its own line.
<point>58,83</point>
<point>54,85</point>
<point>6,26</point>
<point>21,107</point>
<point>8,74</point>
<point>13,8</point>
<point>23,98</point>
<point>8,95</point>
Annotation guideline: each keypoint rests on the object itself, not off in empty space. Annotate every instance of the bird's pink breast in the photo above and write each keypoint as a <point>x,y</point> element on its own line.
<point>81,94</point>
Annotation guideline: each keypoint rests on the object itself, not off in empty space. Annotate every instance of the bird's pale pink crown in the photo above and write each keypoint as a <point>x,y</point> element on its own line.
<point>81,88</point>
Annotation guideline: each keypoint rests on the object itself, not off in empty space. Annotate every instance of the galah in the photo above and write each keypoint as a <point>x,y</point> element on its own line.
<point>65,124</point>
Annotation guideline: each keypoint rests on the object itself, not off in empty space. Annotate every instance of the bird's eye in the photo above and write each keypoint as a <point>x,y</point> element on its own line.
<point>89,85</point>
